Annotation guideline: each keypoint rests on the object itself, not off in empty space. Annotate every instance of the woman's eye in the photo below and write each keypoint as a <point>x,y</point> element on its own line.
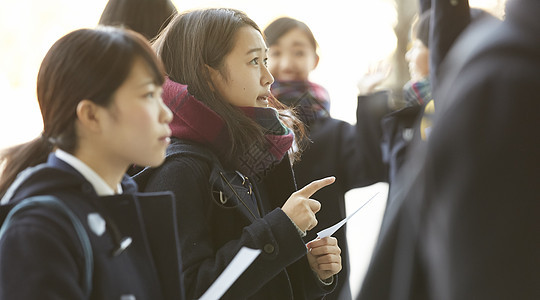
<point>149,95</point>
<point>255,61</point>
<point>266,62</point>
<point>152,92</point>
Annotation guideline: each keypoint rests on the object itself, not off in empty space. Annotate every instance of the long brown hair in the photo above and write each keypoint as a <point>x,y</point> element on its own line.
<point>200,38</point>
<point>84,64</point>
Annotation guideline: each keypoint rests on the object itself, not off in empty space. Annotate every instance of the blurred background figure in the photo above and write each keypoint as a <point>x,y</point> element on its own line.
<point>417,91</point>
<point>146,17</point>
<point>414,119</point>
<point>336,148</point>
<point>400,127</point>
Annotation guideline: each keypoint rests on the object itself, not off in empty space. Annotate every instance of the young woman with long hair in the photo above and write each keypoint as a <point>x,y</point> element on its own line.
<point>228,164</point>
<point>99,92</point>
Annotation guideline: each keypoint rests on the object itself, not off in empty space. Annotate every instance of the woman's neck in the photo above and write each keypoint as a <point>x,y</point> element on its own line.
<point>109,169</point>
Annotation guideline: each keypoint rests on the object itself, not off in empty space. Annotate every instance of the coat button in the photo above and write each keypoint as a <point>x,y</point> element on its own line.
<point>269,248</point>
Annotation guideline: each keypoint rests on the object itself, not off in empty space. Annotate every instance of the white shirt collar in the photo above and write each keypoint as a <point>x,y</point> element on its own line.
<point>100,186</point>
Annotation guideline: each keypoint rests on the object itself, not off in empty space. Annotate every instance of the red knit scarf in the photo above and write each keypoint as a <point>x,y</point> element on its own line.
<point>195,121</point>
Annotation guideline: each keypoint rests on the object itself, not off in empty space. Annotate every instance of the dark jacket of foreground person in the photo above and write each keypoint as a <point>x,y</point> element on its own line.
<point>148,268</point>
<point>465,224</point>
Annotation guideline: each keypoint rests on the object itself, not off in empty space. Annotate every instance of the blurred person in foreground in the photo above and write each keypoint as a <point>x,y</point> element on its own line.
<point>466,224</point>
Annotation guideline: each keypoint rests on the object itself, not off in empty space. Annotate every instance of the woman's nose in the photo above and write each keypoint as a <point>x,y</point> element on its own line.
<point>408,55</point>
<point>286,63</point>
<point>266,76</point>
<point>166,115</point>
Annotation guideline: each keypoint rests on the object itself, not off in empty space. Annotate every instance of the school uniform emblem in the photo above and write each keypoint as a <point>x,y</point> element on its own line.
<point>96,223</point>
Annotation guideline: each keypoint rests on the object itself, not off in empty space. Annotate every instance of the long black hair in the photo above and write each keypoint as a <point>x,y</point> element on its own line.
<point>146,17</point>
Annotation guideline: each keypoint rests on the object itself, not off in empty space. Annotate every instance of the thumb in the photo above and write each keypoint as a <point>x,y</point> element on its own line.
<point>314,205</point>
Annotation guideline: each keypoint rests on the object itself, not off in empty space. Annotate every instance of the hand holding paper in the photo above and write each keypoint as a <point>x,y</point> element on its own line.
<point>324,257</point>
<point>332,229</point>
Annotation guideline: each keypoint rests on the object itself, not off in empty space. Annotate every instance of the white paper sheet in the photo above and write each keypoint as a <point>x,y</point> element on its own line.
<point>238,265</point>
<point>332,229</point>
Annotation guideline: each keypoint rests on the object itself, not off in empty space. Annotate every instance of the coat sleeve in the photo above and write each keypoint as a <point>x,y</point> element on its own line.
<point>360,159</point>
<point>202,261</point>
<point>39,260</point>
<point>305,282</point>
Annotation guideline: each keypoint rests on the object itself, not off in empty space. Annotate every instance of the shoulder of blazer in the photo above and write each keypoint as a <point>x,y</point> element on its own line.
<point>11,210</point>
<point>182,148</point>
<point>222,182</point>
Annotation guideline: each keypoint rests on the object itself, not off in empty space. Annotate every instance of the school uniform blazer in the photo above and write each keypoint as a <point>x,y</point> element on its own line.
<point>214,224</point>
<point>42,258</point>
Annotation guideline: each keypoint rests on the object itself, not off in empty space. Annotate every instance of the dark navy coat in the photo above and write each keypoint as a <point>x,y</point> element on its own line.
<point>221,211</point>
<point>41,256</point>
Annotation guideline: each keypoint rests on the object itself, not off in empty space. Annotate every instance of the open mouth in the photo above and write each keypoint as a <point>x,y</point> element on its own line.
<point>262,101</point>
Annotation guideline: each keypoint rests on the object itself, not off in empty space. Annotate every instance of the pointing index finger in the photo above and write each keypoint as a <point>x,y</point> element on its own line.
<point>316,185</point>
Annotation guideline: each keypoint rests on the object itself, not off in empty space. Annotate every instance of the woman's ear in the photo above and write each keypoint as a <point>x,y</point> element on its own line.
<point>212,72</point>
<point>88,115</point>
<point>316,62</point>
<point>214,76</point>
